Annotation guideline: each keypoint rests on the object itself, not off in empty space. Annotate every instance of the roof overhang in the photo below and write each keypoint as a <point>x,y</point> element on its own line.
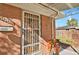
<point>46,8</point>
<point>60,7</point>
<point>35,7</point>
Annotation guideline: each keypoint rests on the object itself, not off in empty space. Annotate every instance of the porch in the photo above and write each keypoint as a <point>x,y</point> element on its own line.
<point>33,27</point>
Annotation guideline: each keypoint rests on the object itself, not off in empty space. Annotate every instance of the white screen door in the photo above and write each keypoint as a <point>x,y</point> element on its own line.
<point>31,33</point>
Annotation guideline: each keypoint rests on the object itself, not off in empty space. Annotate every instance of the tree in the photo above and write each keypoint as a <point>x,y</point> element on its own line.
<point>72,22</point>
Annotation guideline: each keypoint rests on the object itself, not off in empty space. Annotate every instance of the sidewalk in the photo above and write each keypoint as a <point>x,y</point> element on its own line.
<point>76,49</point>
<point>68,51</point>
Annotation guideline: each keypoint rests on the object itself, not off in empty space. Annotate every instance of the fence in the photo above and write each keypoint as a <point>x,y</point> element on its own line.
<point>70,36</point>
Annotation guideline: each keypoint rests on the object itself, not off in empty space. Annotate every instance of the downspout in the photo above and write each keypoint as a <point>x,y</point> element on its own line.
<point>53,20</point>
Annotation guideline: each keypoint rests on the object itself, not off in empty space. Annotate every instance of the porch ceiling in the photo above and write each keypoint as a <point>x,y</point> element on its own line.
<point>34,7</point>
<point>61,6</point>
<point>46,11</point>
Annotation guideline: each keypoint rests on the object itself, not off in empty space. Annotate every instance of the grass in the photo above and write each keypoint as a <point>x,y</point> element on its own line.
<point>67,40</point>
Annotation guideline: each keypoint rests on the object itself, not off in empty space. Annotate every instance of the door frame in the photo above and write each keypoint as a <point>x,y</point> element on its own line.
<point>22,30</point>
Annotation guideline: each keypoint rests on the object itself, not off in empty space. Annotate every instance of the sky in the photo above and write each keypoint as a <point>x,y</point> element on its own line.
<point>62,21</point>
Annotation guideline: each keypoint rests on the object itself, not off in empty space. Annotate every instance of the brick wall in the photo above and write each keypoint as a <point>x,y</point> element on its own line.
<point>46,28</point>
<point>10,11</point>
<point>46,34</point>
<point>10,41</point>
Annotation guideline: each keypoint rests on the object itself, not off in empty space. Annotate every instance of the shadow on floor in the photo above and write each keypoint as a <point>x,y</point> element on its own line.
<point>65,46</point>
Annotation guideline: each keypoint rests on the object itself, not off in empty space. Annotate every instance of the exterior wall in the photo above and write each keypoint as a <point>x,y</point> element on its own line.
<point>46,34</point>
<point>10,41</point>
<point>10,11</point>
<point>46,28</point>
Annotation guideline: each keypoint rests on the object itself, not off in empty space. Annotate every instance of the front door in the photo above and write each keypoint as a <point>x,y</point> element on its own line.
<point>31,33</point>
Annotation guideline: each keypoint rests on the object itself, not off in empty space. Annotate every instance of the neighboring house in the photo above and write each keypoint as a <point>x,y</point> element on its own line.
<point>62,31</point>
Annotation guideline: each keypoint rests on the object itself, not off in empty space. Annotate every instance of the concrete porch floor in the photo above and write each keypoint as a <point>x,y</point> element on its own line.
<point>68,51</point>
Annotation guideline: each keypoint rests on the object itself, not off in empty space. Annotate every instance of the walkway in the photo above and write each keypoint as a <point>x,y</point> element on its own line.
<point>67,50</point>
